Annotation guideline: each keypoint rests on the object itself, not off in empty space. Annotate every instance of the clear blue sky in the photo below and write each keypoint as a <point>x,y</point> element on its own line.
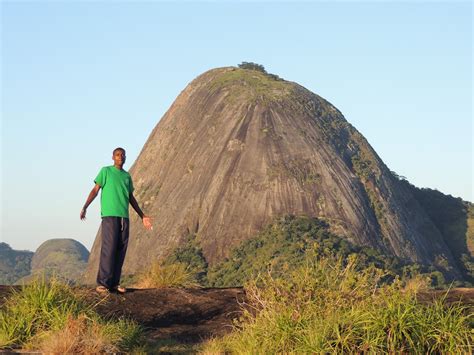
<point>80,78</point>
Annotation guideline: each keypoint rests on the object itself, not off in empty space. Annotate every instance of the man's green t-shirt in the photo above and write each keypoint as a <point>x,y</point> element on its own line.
<point>116,187</point>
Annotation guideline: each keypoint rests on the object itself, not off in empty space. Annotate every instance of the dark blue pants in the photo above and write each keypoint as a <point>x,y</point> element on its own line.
<point>115,232</point>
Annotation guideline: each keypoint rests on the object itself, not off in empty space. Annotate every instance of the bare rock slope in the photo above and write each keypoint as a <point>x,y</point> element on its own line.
<point>238,148</point>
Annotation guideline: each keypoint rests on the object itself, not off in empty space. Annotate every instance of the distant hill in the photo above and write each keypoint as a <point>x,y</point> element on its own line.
<point>66,258</point>
<point>14,264</point>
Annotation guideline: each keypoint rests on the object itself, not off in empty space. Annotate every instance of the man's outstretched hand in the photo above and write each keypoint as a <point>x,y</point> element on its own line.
<point>83,214</point>
<point>147,222</point>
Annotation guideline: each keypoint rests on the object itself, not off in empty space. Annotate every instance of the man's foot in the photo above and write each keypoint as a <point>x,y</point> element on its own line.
<point>102,289</point>
<point>120,289</point>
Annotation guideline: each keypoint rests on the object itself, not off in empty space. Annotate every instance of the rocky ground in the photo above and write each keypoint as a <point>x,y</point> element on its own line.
<point>169,315</point>
<point>185,315</point>
<point>464,295</point>
<point>189,316</point>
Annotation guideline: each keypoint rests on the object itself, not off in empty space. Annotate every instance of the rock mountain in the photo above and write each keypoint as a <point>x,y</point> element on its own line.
<point>239,147</point>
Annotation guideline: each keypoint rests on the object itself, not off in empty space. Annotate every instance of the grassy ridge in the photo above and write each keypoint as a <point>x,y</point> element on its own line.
<point>330,305</point>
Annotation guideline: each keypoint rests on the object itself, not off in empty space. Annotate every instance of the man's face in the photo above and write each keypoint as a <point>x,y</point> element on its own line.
<point>119,157</point>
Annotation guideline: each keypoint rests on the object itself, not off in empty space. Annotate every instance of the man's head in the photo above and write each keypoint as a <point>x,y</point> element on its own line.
<point>118,156</point>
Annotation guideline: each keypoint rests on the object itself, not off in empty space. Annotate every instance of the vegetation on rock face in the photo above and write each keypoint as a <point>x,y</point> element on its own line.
<point>454,218</point>
<point>332,305</point>
<point>470,228</point>
<point>51,316</point>
<point>254,85</point>
<point>284,246</point>
<point>14,264</point>
<point>258,67</point>
<point>365,166</point>
<point>280,247</point>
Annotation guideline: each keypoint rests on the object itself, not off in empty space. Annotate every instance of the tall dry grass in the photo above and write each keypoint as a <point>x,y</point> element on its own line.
<point>160,275</point>
<point>79,335</point>
<point>90,336</point>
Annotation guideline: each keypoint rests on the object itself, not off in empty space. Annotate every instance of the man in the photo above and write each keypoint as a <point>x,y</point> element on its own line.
<point>117,194</point>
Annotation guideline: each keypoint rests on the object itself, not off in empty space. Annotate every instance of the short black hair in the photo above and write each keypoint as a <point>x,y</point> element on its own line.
<point>119,148</point>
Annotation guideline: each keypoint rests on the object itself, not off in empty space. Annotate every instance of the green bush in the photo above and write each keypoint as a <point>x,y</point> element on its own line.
<point>252,66</point>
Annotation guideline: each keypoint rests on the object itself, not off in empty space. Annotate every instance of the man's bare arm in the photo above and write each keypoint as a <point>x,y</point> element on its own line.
<point>145,219</point>
<point>92,195</point>
<point>135,206</point>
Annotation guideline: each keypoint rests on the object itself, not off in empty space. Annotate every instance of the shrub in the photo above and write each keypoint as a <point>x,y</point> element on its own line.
<point>166,275</point>
<point>90,335</point>
<point>252,66</point>
<point>190,254</point>
<point>79,335</point>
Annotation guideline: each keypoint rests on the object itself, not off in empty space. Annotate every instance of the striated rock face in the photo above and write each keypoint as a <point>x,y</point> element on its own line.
<point>238,148</point>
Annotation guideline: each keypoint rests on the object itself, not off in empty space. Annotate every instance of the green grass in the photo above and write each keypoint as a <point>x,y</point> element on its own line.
<point>328,305</point>
<point>35,308</point>
<point>50,314</point>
